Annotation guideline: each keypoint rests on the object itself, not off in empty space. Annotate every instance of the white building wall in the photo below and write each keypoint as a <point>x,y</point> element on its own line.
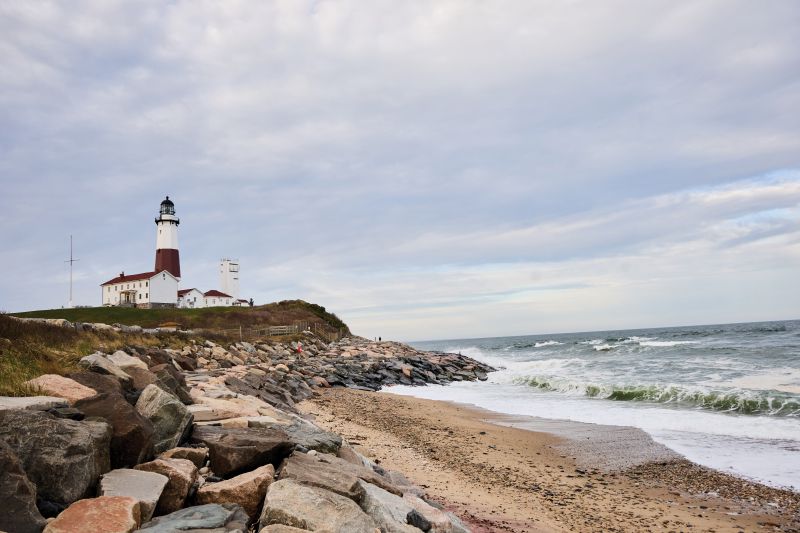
<point>167,232</point>
<point>163,289</point>
<point>218,301</point>
<point>192,300</point>
<point>111,293</point>
<point>229,277</point>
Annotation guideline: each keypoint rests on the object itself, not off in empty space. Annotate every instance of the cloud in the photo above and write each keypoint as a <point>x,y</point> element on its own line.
<point>424,158</point>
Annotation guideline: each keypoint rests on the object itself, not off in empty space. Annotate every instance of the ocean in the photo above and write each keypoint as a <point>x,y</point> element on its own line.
<point>725,396</point>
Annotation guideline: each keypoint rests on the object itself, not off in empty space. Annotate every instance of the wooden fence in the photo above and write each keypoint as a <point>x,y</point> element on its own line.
<point>255,333</point>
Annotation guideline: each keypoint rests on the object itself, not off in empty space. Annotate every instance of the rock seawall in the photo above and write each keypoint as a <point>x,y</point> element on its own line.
<point>208,438</point>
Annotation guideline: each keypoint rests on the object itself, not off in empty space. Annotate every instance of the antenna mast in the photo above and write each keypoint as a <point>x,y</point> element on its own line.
<point>70,261</point>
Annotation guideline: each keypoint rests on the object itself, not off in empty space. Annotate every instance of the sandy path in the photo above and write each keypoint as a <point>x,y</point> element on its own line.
<point>501,478</point>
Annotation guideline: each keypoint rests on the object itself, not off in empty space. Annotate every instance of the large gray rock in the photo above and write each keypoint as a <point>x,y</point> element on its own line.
<point>144,487</point>
<point>312,471</point>
<point>125,361</point>
<point>99,382</point>
<point>331,472</point>
<point>32,403</point>
<point>63,458</point>
<point>18,495</point>
<point>172,381</point>
<point>305,434</point>
<point>439,521</point>
<point>170,418</point>
<point>212,518</point>
<point>133,434</point>
<point>312,508</point>
<point>388,510</point>
<point>234,451</point>
<point>97,362</point>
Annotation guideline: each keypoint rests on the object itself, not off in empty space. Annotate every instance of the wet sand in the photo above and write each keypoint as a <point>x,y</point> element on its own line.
<point>518,474</point>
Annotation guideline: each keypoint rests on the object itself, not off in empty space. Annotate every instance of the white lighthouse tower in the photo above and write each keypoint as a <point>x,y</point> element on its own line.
<point>167,257</point>
<point>229,277</point>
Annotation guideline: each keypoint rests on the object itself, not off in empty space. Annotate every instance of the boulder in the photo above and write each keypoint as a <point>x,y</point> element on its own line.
<point>170,418</point>
<point>227,408</point>
<point>144,487</point>
<point>143,377</point>
<point>403,484</point>
<point>388,510</point>
<point>97,362</point>
<point>438,520</point>
<point>172,381</point>
<point>349,454</point>
<point>18,495</point>
<point>234,451</point>
<point>125,361</point>
<point>305,434</point>
<point>63,458</point>
<point>196,455</point>
<point>212,518</point>
<point>182,475</point>
<point>109,514</point>
<point>309,470</point>
<point>247,490</point>
<point>61,387</point>
<point>32,403</point>
<point>132,439</point>
<point>311,508</point>
<point>99,382</point>
<point>323,467</point>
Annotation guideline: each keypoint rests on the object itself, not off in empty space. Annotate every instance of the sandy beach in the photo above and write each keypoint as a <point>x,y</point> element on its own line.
<point>500,476</point>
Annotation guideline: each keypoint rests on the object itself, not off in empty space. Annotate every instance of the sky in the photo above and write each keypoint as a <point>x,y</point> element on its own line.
<point>424,169</point>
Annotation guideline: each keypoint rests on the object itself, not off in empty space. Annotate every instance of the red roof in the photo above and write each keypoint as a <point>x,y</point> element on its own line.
<point>215,292</point>
<point>183,292</point>
<point>122,278</point>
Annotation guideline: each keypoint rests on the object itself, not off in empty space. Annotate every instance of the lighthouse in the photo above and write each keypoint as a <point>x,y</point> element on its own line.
<point>167,257</point>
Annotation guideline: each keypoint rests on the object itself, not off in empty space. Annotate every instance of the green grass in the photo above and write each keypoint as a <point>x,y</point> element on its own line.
<point>30,349</point>
<point>282,313</point>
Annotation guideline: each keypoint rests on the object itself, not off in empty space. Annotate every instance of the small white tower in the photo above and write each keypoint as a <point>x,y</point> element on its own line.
<point>229,277</point>
<point>167,257</point>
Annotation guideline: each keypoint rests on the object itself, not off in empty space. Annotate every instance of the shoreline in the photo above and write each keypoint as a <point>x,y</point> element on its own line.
<point>498,476</point>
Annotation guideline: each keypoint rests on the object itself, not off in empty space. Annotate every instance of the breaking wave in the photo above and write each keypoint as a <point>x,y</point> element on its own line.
<point>770,403</point>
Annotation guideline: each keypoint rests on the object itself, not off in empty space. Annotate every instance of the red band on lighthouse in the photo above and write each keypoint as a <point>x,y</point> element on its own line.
<point>168,259</point>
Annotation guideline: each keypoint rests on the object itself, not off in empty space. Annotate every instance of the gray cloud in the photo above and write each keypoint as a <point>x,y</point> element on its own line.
<point>404,156</point>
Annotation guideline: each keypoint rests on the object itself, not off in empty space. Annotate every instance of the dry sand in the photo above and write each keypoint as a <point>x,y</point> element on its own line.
<point>502,478</point>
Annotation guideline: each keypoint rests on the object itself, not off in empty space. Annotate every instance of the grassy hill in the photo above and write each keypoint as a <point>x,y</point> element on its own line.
<point>30,349</point>
<point>282,313</point>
